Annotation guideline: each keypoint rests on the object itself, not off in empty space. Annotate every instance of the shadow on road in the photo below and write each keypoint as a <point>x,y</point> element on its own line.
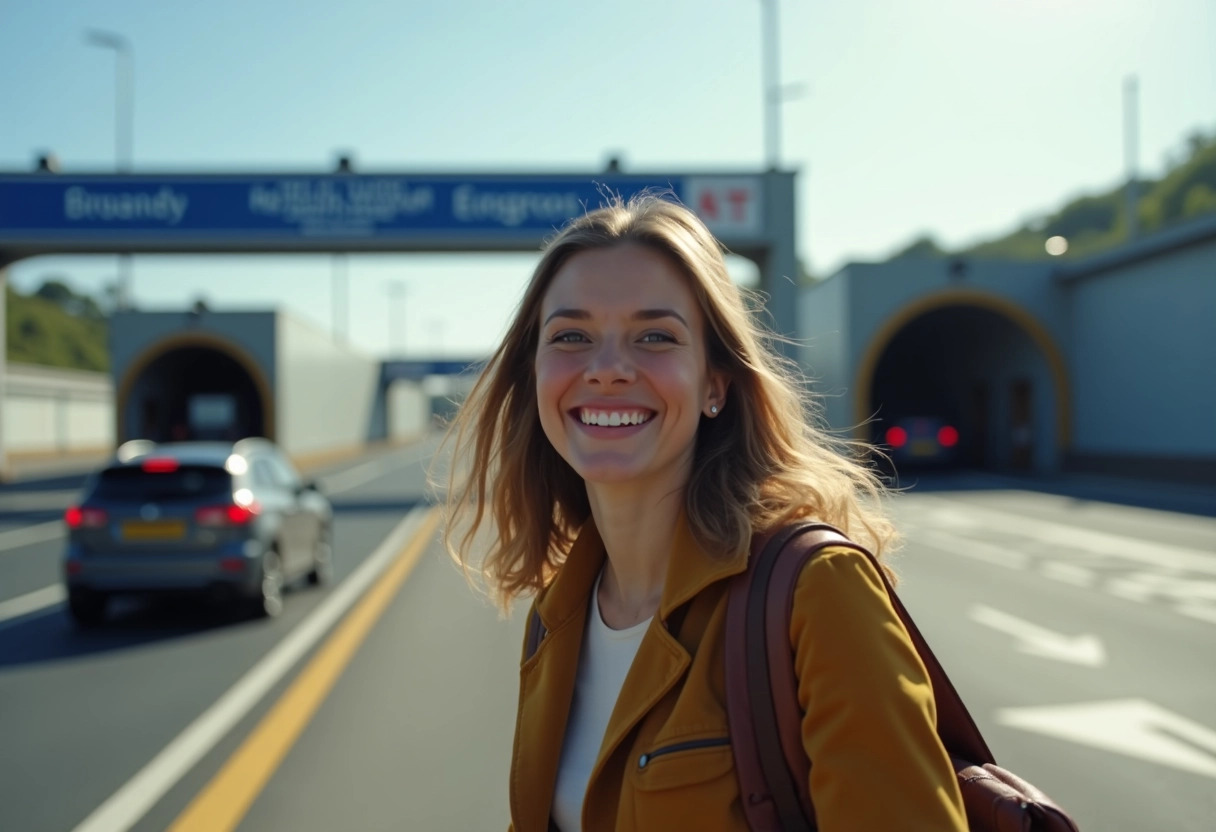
<point>394,506</point>
<point>1081,488</point>
<point>50,635</point>
<point>60,482</point>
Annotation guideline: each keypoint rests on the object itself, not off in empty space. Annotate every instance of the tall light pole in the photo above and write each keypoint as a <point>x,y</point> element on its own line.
<point>775,93</point>
<point>124,127</point>
<point>1131,146</point>
<point>396,315</point>
<point>339,304</point>
<point>771,36</point>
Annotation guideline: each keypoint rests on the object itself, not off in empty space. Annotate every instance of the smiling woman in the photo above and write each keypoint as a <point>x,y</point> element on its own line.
<point>629,439</point>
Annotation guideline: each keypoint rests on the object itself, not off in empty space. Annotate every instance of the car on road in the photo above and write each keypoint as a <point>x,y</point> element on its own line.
<point>913,441</point>
<point>230,521</point>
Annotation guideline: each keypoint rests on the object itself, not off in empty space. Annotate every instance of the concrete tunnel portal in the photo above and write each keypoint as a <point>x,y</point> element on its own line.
<point>187,389</point>
<point>996,377</point>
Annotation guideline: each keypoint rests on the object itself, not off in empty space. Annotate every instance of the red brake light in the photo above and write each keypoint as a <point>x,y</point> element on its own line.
<point>897,437</point>
<point>947,436</point>
<point>160,465</point>
<point>86,518</point>
<point>226,515</point>
<point>240,515</point>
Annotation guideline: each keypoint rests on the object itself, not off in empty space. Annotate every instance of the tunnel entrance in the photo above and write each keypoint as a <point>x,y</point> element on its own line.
<point>964,387</point>
<point>193,393</point>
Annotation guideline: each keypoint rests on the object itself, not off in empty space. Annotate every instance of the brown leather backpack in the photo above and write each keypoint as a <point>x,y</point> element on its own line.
<point>765,719</point>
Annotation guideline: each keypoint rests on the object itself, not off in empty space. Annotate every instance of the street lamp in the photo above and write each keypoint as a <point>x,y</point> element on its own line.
<point>124,126</point>
<point>775,93</point>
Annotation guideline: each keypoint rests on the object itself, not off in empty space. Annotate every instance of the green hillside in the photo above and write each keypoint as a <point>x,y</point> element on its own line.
<point>56,327</point>
<point>1097,222</point>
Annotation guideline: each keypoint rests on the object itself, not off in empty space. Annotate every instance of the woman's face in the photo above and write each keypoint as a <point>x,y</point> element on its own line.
<point>621,373</point>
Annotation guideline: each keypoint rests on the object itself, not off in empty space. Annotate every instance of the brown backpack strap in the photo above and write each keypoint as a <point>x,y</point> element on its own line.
<point>762,690</point>
<point>774,794</point>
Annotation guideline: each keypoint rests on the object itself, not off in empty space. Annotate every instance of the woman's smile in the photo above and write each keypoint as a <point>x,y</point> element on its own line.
<point>622,376</point>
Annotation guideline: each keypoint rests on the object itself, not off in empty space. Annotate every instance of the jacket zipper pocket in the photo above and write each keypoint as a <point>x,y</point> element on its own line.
<point>645,759</point>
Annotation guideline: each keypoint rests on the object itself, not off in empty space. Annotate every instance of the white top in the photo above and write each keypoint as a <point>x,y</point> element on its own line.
<point>603,663</point>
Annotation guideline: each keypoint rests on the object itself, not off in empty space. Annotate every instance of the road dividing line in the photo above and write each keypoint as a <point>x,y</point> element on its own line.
<point>222,804</point>
<point>16,538</point>
<point>131,802</point>
<point>31,602</point>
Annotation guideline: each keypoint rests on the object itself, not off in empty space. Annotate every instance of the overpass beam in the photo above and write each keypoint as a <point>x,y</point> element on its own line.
<point>780,272</point>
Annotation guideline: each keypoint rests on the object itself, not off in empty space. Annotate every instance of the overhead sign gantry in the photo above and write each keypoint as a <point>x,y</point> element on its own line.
<point>49,213</point>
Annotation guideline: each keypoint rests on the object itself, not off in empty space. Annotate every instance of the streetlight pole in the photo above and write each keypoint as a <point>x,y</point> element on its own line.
<point>339,301</point>
<point>1131,134</point>
<point>396,315</point>
<point>124,127</point>
<point>772,83</point>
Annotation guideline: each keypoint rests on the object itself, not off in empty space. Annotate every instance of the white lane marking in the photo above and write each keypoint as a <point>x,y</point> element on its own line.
<point>1134,727</point>
<point>24,536</point>
<point>131,802</point>
<point>941,511</point>
<point>976,549</point>
<point>38,500</point>
<point>1203,612</point>
<point>352,477</point>
<point>368,471</point>
<point>32,602</point>
<point>1069,573</point>
<point>1035,640</point>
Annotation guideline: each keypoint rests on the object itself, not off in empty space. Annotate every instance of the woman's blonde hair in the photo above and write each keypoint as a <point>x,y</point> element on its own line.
<point>766,459</point>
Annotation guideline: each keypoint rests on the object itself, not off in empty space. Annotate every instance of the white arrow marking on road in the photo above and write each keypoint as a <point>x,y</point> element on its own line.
<point>1039,641</point>
<point>1126,726</point>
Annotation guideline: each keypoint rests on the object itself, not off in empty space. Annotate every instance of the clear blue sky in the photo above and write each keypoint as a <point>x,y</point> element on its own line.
<point>956,117</point>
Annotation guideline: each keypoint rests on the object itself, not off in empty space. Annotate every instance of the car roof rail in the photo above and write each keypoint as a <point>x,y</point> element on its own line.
<point>251,443</point>
<point>134,449</point>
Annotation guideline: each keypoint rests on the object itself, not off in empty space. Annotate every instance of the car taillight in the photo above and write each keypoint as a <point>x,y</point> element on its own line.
<point>947,436</point>
<point>897,437</point>
<point>85,518</point>
<point>226,515</point>
<point>160,466</point>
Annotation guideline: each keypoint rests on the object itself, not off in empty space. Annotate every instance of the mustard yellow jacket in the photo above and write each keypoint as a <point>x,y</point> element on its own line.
<point>869,727</point>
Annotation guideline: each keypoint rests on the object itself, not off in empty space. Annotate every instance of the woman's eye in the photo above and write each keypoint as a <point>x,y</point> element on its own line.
<point>657,338</point>
<point>567,338</point>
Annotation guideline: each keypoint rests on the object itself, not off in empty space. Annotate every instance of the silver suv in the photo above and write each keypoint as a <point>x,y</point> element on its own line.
<point>231,521</point>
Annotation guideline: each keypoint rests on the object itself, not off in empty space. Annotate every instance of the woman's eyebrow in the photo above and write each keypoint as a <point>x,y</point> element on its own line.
<point>640,315</point>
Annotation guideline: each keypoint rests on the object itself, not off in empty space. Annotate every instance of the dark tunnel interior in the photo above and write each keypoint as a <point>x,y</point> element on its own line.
<point>195,393</point>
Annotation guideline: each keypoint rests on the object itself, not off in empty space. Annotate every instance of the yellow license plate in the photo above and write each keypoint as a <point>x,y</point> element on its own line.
<point>923,447</point>
<point>153,530</point>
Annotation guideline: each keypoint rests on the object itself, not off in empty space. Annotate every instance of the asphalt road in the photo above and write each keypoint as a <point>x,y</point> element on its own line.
<point>1079,632</point>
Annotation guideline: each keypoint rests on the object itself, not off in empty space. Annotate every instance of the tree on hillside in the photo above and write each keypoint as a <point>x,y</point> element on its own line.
<point>58,292</point>
<point>923,246</point>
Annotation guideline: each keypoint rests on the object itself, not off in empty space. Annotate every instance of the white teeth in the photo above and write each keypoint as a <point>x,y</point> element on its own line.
<point>612,418</point>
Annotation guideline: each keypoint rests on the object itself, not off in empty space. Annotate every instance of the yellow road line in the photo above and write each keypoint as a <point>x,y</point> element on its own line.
<point>221,805</point>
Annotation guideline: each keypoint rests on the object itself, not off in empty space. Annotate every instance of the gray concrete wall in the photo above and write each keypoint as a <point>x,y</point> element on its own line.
<point>409,410</point>
<point>882,291</point>
<point>52,410</point>
<point>1144,344</point>
<point>137,336</point>
<point>325,392</point>
<point>823,333</point>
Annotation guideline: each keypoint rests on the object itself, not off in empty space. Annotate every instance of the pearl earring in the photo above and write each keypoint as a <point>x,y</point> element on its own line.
<point>713,408</point>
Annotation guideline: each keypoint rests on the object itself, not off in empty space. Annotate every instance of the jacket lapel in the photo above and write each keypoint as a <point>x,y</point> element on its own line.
<point>546,686</point>
<point>661,659</point>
